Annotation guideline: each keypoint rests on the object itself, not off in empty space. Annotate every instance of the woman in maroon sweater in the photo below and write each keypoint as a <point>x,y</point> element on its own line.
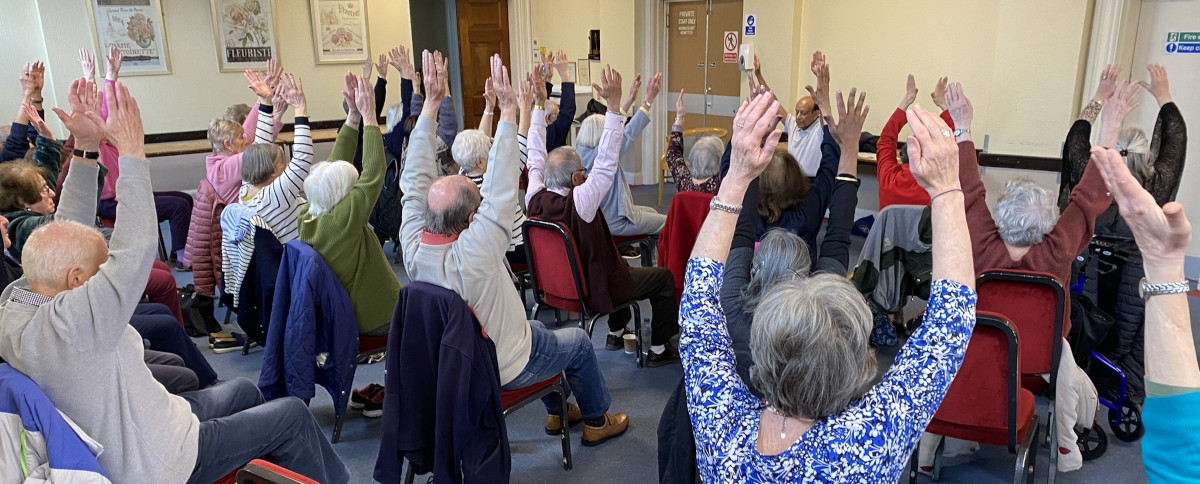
<point>1029,234</point>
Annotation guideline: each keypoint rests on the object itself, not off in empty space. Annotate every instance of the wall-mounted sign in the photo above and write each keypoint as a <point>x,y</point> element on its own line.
<point>750,27</point>
<point>686,23</point>
<point>1183,43</point>
<point>729,47</point>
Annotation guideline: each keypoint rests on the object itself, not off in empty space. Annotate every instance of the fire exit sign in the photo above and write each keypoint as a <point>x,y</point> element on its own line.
<point>1183,43</point>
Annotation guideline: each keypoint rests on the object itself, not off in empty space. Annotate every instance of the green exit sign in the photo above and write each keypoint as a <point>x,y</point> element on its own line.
<point>1183,37</point>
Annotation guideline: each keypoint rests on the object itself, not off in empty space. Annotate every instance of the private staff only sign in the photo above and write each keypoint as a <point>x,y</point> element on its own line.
<point>1183,43</point>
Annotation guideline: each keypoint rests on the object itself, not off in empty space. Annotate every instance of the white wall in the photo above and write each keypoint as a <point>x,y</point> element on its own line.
<point>564,24</point>
<point>1157,18</point>
<point>195,92</point>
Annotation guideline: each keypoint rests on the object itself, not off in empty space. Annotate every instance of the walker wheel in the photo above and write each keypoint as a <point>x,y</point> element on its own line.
<point>1092,442</point>
<point>1130,428</point>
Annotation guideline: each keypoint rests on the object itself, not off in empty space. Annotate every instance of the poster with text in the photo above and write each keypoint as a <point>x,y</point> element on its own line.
<point>136,28</point>
<point>245,33</point>
<point>340,31</point>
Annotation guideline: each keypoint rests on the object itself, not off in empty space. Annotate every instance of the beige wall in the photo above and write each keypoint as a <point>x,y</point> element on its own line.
<point>564,24</point>
<point>195,92</point>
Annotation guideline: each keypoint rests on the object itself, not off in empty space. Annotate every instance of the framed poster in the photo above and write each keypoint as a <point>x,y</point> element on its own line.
<point>582,74</point>
<point>340,31</point>
<point>245,34</point>
<point>136,28</point>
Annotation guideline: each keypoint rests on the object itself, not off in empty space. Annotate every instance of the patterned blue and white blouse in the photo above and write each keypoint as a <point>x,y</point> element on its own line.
<point>870,441</point>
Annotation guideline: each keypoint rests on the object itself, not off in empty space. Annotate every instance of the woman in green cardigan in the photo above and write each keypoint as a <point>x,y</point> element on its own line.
<point>340,203</point>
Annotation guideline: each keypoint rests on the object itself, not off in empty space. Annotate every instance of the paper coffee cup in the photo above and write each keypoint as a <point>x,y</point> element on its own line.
<point>630,343</point>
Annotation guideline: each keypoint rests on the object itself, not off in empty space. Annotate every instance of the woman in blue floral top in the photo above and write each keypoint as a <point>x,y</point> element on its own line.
<point>819,419</point>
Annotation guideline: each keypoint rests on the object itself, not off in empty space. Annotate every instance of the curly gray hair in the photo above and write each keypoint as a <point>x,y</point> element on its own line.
<point>1025,213</point>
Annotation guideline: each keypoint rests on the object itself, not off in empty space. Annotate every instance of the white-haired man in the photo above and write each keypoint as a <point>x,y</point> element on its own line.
<point>453,236</point>
<point>64,325</point>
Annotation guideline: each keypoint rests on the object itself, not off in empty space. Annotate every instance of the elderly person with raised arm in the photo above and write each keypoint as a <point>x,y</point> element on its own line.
<point>22,136</point>
<point>896,183</point>
<point>471,151</point>
<point>559,117</point>
<point>454,234</point>
<point>559,192</point>
<point>701,173</point>
<point>62,324</point>
<point>1028,233</point>
<point>820,418</point>
<point>1172,409</point>
<point>223,168</point>
<point>270,192</point>
<point>623,215</point>
<point>804,127</point>
<point>340,203</point>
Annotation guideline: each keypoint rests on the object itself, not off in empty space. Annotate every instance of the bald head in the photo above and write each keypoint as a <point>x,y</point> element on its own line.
<point>61,256</point>
<point>450,205</point>
<point>806,112</point>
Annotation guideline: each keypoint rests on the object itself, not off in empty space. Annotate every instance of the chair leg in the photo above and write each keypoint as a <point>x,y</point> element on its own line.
<point>590,325</point>
<point>937,460</point>
<point>162,246</point>
<point>337,427</point>
<point>647,261</point>
<point>533,311</point>
<point>912,464</point>
<point>1027,448</point>
<point>1052,444</point>
<point>409,474</point>
<point>637,327</point>
<point>565,436</point>
<point>660,187</point>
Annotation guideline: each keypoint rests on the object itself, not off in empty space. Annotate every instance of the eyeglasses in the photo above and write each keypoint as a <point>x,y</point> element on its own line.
<point>46,189</point>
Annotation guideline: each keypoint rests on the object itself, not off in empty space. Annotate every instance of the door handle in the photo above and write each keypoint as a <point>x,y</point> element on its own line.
<point>700,65</point>
<point>712,65</point>
<point>708,97</point>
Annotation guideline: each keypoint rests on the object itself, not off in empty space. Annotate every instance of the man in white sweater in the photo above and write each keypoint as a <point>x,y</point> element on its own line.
<point>455,237</point>
<point>64,324</point>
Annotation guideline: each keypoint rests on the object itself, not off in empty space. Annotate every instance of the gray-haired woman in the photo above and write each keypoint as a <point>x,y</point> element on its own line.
<point>819,418</point>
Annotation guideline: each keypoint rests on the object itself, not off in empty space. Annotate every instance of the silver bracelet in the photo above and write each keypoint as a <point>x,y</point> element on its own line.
<point>724,207</point>
<point>1146,289</point>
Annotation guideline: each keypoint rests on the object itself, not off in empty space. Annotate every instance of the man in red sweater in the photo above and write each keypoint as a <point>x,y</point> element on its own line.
<point>896,183</point>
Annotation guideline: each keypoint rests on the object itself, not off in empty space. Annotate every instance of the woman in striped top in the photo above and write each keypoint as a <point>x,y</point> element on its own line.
<point>271,187</point>
<point>470,151</point>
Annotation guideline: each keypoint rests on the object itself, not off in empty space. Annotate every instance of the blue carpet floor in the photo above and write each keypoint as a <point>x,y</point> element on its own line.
<point>641,393</point>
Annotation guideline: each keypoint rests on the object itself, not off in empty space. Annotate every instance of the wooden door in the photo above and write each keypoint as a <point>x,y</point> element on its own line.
<point>696,62</point>
<point>482,32</point>
<point>724,77</point>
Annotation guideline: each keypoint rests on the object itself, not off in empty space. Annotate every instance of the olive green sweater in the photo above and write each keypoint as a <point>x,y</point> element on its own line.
<point>347,244</point>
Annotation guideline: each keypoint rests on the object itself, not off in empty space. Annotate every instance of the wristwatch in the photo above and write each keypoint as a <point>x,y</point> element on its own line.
<point>724,207</point>
<point>91,155</point>
<point>1146,289</point>
<point>959,132</point>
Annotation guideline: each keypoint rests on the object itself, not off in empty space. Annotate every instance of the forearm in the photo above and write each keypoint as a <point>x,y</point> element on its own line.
<point>264,124</point>
<point>447,122</point>
<point>834,255</point>
<point>380,96</point>
<point>952,256</point>
<point>716,234</point>
<point>1170,349</point>
<point>77,202</point>
<point>420,169</point>
<point>589,195</point>
<point>131,249</point>
<point>486,120</point>
<point>346,143</point>
<point>536,147</point>
<point>500,194</point>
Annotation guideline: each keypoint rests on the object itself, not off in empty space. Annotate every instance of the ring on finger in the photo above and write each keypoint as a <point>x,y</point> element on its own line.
<point>740,125</point>
<point>946,133</point>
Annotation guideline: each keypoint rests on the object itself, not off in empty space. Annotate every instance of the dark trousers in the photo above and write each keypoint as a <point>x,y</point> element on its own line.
<point>169,370</point>
<point>237,426</point>
<point>175,207</point>
<point>155,323</point>
<point>658,285</point>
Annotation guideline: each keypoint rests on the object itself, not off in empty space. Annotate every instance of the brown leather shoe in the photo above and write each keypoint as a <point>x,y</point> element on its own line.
<point>554,422</point>
<point>614,426</point>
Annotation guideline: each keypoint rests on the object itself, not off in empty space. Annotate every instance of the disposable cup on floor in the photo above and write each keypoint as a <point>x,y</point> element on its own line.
<point>630,343</point>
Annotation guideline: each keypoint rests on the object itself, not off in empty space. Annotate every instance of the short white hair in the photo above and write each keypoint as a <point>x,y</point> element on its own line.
<point>54,248</point>
<point>471,149</point>
<point>1025,213</point>
<point>327,184</point>
<point>395,114</point>
<point>590,131</point>
<point>705,157</point>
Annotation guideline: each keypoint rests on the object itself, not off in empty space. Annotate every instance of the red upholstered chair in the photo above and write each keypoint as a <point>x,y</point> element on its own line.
<point>557,277</point>
<point>368,346</point>
<point>686,215</point>
<point>985,402</point>
<point>1035,303</point>
<point>262,472</point>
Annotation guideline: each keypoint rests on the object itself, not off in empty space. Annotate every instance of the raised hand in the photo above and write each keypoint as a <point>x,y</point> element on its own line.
<point>653,88</point>
<point>961,110</point>
<point>755,88</point>
<point>501,86</point>
<point>274,74</point>
<point>434,69</point>
<point>349,95</point>
<point>610,88</point>
<point>113,66</point>
<point>83,98</point>
<point>848,127</point>
<point>680,109</point>
<point>560,64</point>
<point>633,91</point>
<point>548,65</point>
<point>932,152</point>
<point>382,65</point>
<point>37,122</point>
<point>525,95</point>
<point>28,85</point>
<point>367,67</point>
<point>292,90</point>
<point>1162,233</point>
<point>939,94</point>
<point>757,64</point>
<point>87,62</point>
<point>755,120</point>
<point>910,93</point>
<point>258,83</point>
<point>489,96</point>
<point>1159,86</point>
<point>820,95</point>
<point>364,100</point>
<point>38,73</point>
<point>1123,102</point>
<point>1108,82</point>
<point>539,89</point>
<point>124,125</point>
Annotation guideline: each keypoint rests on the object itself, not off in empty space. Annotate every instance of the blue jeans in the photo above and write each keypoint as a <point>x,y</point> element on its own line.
<point>156,323</point>
<point>566,350</point>
<point>236,426</point>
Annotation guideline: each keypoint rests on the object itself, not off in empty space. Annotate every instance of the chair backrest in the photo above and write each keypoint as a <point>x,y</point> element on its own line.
<point>684,218</point>
<point>984,392</point>
<point>1034,302</point>
<point>694,132</point>
<point>555,268</point>
<point>259,471</point>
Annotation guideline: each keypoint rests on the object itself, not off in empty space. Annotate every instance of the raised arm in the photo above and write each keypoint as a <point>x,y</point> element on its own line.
<point>679,168</point>
<point>291,182</point>
<point>1123,102</point>
<point>264,86</point>
<point>566,102</point>
<point>420,167</point>
<point>834,255</point>
<point>887,167</point>
<point>491,231</point>
<point>394,139</point>
<point>347,139</point>
<point>489,108</point>
<point>979,217</point>
<point>590,194</point>
<point>1168,146</point>
<point>77,201</point>
<point>362,198</point>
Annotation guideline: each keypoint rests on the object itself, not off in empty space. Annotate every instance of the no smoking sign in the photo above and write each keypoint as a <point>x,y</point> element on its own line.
<point>730,47</point>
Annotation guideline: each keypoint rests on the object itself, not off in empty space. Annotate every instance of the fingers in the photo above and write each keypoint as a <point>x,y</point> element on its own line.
<point>1177,219</point>
<point>913,145</point>
<point>62,116</point>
